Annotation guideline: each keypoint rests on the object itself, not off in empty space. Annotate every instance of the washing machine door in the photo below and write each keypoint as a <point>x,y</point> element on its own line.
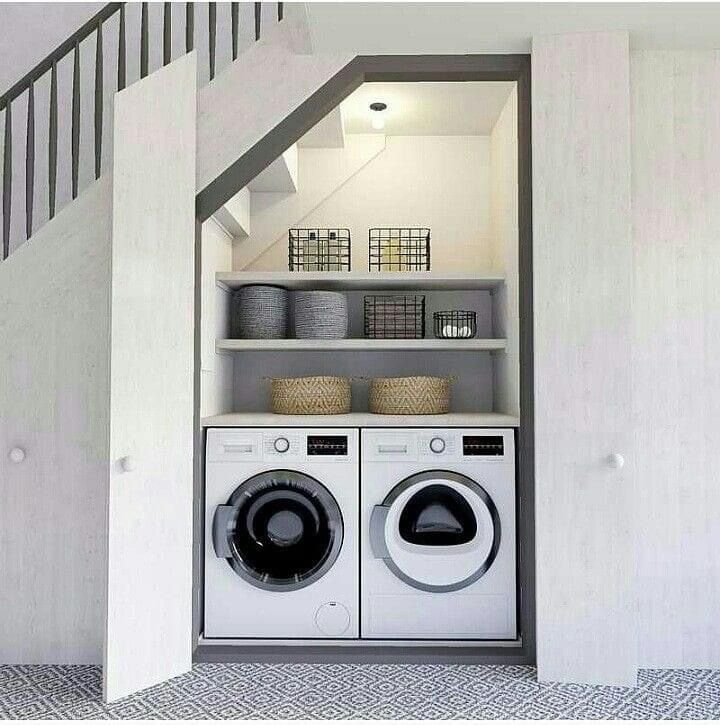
<point>438,531</point>
<point>280,531</point>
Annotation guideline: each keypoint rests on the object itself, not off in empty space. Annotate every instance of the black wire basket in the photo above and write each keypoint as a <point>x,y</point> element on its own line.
<point>319,250</point>
<point>399,249</point>
<point>395,316</point>
<point>455,324</point>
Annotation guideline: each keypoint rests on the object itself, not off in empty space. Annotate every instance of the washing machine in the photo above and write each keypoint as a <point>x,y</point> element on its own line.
<point>281,533</point>
<point>438,534</point>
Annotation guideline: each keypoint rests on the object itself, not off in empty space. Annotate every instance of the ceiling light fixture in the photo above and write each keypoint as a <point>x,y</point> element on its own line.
<point>378,117</point>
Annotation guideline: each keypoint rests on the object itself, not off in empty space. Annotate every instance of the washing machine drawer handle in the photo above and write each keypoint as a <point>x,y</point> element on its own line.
<point>378,517</point>
<point>221,530</point>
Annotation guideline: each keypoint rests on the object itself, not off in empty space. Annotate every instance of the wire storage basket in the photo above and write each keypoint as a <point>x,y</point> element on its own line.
<point>455,324</point>
<point>399,249</point>
<point>319,250</point>
<point>395,316</point>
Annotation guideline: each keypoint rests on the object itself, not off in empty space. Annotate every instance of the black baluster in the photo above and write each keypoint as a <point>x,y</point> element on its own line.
<point>121,50</point>
<point>235,16</point>
<point>98,101</point>
<point>144,33</point>
<point>258,8</point>
<point>30,161</point>
<point>212,26</point>
<point>189,27</point>
<point>167,32</point>
<point>75,134</point>
<point>280,11</point>
<point>52,141</point>
<point>7,180</point>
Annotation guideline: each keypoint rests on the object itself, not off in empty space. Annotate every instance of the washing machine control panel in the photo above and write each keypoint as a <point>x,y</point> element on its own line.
<point>327,445</point>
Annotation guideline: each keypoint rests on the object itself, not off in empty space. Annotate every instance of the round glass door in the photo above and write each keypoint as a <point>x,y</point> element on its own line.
<point>438,531</point>
<point>280,531</point>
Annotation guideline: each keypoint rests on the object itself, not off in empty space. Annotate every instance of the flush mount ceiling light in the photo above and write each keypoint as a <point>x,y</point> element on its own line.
<point>378,117</point>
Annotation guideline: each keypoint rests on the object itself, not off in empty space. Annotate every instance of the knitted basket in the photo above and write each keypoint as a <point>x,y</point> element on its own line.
<point>320,315</point>
<point>260,312</point>
<point>418,395</point>
<point>319,395</point>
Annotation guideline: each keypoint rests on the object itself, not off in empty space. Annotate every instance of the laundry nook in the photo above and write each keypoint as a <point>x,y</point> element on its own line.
<point>360,385</point>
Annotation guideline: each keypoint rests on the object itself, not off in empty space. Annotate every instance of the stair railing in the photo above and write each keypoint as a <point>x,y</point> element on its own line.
<point>26,87</point>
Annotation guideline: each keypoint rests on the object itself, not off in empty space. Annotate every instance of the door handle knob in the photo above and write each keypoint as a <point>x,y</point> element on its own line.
<point>616,460</point>
<point>17,455</point>
<point>127,463</point>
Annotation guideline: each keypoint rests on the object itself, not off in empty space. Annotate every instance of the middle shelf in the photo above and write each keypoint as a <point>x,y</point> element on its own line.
<point>488,344</point>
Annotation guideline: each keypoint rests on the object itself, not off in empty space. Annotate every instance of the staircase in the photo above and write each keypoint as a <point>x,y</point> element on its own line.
<point>56,123</point>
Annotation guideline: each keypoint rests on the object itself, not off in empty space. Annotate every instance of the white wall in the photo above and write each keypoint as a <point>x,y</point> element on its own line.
<point>442,182</point>
<point>216,391</point>
<point>504,224</point>
<point>676,335</point>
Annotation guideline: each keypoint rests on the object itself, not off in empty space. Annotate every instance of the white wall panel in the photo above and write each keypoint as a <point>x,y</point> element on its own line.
<point>54,393</point>
<point>586,606</point>
<point>441,182</point>
<point>149,580</point>
<point>504,240</point>
<point>676,335</point>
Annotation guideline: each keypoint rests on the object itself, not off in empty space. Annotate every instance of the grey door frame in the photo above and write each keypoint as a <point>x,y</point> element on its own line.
<point>407,69</point>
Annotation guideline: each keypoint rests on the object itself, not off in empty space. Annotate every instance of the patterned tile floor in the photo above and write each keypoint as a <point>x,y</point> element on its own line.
<point>332,691</point>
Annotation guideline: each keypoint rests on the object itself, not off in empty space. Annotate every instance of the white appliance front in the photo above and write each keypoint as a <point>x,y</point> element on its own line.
<point>281,535</point>
<point>438,534</point>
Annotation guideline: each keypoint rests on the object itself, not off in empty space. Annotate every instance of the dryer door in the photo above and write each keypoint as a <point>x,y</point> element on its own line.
<point>280,531</point>
<point>438,531</point>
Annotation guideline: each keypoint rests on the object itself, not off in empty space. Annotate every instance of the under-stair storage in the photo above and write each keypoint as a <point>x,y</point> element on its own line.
<point>344,229</point>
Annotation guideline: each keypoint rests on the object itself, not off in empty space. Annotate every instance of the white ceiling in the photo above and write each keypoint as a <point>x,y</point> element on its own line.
<point>505,27</point>
<point>428,109</point>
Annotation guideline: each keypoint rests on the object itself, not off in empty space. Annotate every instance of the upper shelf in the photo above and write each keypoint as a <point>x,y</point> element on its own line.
<point>364,280</point>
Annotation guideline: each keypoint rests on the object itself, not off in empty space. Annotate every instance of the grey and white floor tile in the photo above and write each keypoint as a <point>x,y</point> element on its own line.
<point>334,691</point>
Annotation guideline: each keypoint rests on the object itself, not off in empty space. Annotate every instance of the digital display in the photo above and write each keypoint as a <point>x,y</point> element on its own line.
<point>483,446</point>
<point>327,445</point>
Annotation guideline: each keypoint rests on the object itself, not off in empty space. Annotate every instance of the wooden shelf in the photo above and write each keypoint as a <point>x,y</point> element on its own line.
<point>364,280</point>
<point>476,344</point>
<point>363,420</point>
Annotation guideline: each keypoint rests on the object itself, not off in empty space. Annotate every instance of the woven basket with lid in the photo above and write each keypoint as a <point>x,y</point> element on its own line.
<point>418,395</point>
<point>316,395</point>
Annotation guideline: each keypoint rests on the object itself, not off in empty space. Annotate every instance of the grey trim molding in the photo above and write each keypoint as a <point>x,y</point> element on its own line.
<point>377,529</point>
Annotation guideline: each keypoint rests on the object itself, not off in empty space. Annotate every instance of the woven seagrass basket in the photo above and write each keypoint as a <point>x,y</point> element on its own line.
<point>318,395</point>
<point>420,395</point>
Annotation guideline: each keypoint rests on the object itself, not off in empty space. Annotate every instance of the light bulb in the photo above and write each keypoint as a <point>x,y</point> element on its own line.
<point>378,122</point>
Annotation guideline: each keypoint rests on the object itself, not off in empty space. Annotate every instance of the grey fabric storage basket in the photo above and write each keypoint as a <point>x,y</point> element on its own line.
<point>320,315</point>
<point>260,312</point>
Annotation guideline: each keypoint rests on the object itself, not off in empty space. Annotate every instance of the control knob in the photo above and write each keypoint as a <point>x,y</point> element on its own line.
<point>437,445</point>
<point>282,445</point>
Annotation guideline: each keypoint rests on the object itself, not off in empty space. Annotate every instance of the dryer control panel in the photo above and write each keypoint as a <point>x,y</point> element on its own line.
<point>439,445</point>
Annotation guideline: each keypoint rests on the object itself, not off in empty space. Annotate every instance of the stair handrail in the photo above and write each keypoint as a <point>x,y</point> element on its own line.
<point>49,65</point>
